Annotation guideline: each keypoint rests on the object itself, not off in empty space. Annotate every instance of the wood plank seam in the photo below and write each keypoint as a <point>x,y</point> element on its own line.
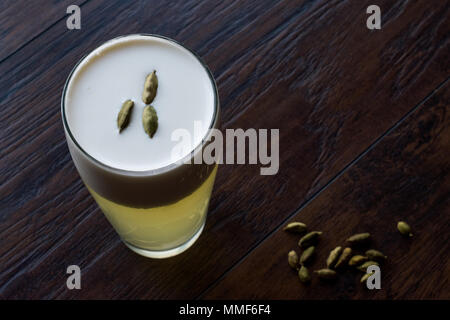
<point>38,35</point>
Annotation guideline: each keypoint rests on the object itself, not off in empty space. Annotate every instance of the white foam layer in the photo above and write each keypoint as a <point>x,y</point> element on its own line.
<point>116,72</point>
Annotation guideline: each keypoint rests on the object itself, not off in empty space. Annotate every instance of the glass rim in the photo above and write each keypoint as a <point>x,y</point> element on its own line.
<point>159,170</point>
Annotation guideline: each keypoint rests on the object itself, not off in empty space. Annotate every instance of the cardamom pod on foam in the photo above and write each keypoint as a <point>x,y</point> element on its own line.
<point>365,265</point>
<point>150,88</point>
<point>375,255</point>
<point>306,255</point>
<point>326,274</point>
<point>150,120</point>
<point>309,239</point>
<point>303,274</point>
<point>357,260</point>
<point>345,256</point>
<point>359,238</point>
<point>123,118</point>
<point>333,257</point>
<point>365,277</point>
<point>293,259</point>
<point>295,227</point>
<point>404,228</point>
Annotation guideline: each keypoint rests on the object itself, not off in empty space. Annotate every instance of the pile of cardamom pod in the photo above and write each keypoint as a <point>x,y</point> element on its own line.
<point>338,258</point>
<point>149,117</point>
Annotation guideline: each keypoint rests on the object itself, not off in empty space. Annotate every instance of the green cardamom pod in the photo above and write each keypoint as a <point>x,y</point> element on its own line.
<point>295,227</point>
<point>150,88</point>
<point>359,238</point>
<point>365,277</point>
<point>293,259</point>
<point>345,256</point>
<point>404,228</point>
<point>375,255</point>
<point>309,239</point>
<point>150,120</point>
<point>306,255</point>
<point>303,274</point>
<point>326,274</point>
<point>365,265</point>
<point>123,118</point>
<point>333,257</point>
<point>357,260</point>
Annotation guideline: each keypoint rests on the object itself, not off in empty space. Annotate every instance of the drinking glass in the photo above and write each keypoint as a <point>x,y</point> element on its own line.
<point>157,213</point>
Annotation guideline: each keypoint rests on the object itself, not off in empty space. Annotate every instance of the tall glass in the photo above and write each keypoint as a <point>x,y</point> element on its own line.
<point>157,213</point>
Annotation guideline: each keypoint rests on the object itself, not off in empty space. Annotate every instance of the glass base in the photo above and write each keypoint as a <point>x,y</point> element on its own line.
<point>161,254</point>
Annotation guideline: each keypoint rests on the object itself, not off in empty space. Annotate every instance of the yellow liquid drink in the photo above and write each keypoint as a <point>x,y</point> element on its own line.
<point>163,227</point>
<point>156,199</point>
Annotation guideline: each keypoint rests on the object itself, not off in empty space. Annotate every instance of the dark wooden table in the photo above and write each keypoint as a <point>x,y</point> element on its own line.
<point>364,124</point>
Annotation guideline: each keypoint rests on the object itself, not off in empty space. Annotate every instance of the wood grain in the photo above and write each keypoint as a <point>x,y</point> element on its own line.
<point>21,21</point>
<point>404,177</point>
<point>309,67</point>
